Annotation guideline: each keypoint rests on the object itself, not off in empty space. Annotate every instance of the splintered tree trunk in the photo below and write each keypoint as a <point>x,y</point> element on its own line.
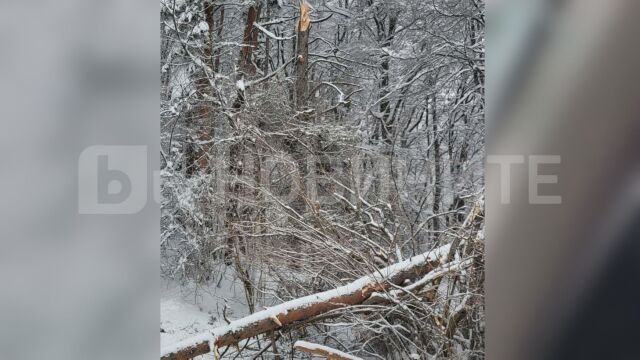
<point>306,308</point>
<point>297,150</point>
<point>302,55</point>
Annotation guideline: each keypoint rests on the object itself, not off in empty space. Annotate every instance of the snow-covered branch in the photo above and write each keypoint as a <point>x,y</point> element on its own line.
<point>322,350</point>
<point>306,307</point>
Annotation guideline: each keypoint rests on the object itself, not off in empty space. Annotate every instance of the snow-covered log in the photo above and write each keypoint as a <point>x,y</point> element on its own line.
<point>317,349</point>
<point>307,307</point>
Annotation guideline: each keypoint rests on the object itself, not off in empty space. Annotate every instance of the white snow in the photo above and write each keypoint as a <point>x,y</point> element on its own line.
<point>270,34</point>
<point>379,276</point>
<point>184,324</point>
<point>443,270</point>
<point>189,319</point>
<point>240,85</point>
<point>188,343</point>
<point>312,346</point>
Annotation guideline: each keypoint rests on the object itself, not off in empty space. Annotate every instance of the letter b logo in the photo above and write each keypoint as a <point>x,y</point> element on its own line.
<point>112,180</point>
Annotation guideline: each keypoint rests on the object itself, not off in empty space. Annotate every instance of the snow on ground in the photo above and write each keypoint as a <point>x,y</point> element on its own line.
<point>187,311</point>
<point>182,320</point>
<point>179,318</point>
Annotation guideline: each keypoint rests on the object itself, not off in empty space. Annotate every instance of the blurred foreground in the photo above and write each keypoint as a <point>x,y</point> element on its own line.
<point>563,82</point>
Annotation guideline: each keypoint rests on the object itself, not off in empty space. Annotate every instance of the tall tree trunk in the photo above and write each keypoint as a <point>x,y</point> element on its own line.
<point>237,214</point>
<point>302,55</point>
<point>296,144</point>
<point>216,55</point>
<point>205,115</point>
<point>387,124</point>
<point>437,176</point>
<point>249,42</point>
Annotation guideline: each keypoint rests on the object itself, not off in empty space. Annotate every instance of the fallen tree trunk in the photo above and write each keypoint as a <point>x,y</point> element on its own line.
<point>306,307</point>
<point>317,349</point>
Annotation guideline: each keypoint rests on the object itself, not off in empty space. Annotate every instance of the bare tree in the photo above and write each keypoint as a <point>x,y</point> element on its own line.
<point>307,144</point>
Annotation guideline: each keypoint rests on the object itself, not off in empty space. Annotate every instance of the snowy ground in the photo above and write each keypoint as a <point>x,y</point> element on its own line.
<point>186,311</point>
<point>181,320</point>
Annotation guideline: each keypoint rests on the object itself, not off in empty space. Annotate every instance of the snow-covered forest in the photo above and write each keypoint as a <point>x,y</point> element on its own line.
<point>322,179</point>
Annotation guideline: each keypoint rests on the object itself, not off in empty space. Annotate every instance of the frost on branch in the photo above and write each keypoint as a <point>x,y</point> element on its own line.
<point>307,145</point>
<point>307,307</point>
<point>317,349</point>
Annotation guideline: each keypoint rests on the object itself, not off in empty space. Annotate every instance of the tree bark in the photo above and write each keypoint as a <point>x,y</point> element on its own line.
<point>236,212</point>
<point>302,54</point>
<point>250,42</point>
<point>189,352</point>
<point>205,116</point>
<point>387,125</point>
<point>437,182</point>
